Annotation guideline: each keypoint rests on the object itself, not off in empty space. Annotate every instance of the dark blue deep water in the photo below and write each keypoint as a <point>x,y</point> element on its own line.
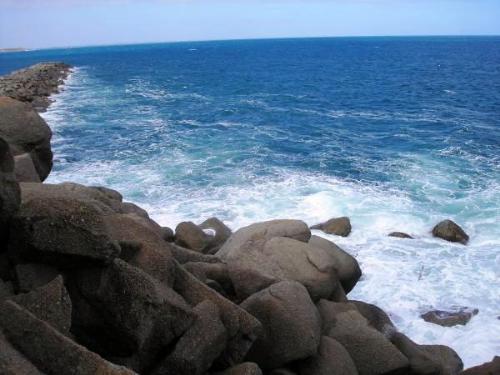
<point>396,133</point>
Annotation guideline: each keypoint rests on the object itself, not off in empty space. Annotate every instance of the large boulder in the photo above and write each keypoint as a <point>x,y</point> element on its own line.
<point>49,350</point>
<point>376,317</point>
<point>198,348</point>
<point>242,328</point>
<point>489,368</point>
<point>12,362</point>
<point>292,326</point>
<point>144,315</point>
<point>445,357</point>
<point>450,231</point>
<point>50,303</point>
<point>332,359</point>
<point>25,169</point>
<point>371,351</point>
<point>62,232</point>
<point>221,233</point>
<point>420,361</point>
<point>26,132</point>
<point>191,236</point>
<point>347,266</point>
<point>246,368</point>
<point>340,226</point>
<point>10,194</point>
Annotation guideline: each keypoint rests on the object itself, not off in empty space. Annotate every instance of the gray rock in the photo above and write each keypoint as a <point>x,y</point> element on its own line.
<point>26,132</point>
<point>340,226</point>
<point>371,351</point>
<point>10,194</point>
<point>222,233</point>
<point>12,362</point>
<point>420,362</point>
<point>445,357</point>
<point>400,235</point>
<point>190,236</point>
<point>292,327</point>
<point>246,368</point>
<point>30,276</point>
<point>168,234</point>
<point>48,349</point>
<point>489,368</point>
<point>198,348</point>
<point>50,303</point>
<point>347,266</point>
<point>25,169</point>
<point>450,231</point>
<point>61,232</point>
<point>332,359</point>
<point>376,317</point>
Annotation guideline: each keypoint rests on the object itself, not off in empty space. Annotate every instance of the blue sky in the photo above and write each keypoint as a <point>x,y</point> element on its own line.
<point>49,23</point>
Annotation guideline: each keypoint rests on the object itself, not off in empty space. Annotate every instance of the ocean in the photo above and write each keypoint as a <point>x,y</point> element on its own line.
<point>396,133</point>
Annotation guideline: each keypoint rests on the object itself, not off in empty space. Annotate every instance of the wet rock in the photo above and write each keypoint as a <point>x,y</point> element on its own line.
<point>48,349</point>
<point>400,235</point>
<point>292,327</point>
<point>50,303</point>
<point>340,226</point>
<point>222,233</point>
<point>489,368</point>
<point>61,232</point>
<point>370,350</point>
<point>10,194</point>
<point>450,318</point>
<point>332,358</point>
<point>25,169</point>
<point>446,358</point>
<point>26,132</point>
<point>30,276</point>
<point>347,266</point>
<point>197,349</point>
<point>450,231</point>
<point>144,315</point>
<point>190,236</point>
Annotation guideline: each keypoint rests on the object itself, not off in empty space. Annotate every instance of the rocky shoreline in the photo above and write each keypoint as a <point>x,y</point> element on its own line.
<point>90,284</point>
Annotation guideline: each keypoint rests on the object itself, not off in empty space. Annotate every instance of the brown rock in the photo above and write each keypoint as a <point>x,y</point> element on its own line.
<point>25,169</point>
<point>222,233</point>
<point>246,368</point>
<point>12,362</point>
<point>10,194</point>
<point>340,226</point>
<point>489,368</point>
<point>446,358</point>
<point>292,327</point>
<point>33,275</point>
<point>400,235</point>
<point>450,318</point>
<point>190,236</point>
<point>420,362</point>
<point>450,231</point>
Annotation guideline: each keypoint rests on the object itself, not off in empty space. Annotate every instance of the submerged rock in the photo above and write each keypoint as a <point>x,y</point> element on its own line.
<point>450,231</point>
<point>340,226</point>
<point>450,318</point>
<point>400,235</point>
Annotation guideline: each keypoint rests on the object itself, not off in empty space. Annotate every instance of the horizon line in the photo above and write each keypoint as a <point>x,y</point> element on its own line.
<point>136,43</point>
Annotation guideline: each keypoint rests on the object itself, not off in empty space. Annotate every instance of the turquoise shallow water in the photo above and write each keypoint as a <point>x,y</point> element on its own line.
<point>396,133</point>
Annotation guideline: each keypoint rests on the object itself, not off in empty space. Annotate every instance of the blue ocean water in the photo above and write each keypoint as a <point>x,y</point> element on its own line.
<point>396,133</point>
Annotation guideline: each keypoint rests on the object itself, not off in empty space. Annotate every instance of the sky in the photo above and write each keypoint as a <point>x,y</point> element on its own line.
<point>64,23</point>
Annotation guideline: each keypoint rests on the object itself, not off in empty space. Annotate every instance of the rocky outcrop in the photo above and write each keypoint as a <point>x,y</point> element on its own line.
<point>28,136</point>
<point>450,231</point>
<point>340,226</point>
<point>490,368</point>
<point>35,84</point>
<point>461,316</point>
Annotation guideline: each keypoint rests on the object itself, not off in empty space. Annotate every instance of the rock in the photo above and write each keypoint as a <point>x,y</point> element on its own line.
<point>50,303</point>
<point>190,236</point>
<point>143,314</point>
<point>446,358</point>
<point>246,368</point>
<point>6,290</point>
<point>61,232</point>
<point>217,272</point>
<point>420,362</point>
<point>370,350</point>
<point>49,350</point>
<point>489,368</point>
<point>450,231</point>
<point>292,327</point>
<point>35,84</point>
<point>10,194</point>
<point>33,275</point>
<point>332,359</point>
<point>12,362</point>
<point>242,328</point>
<point>450,318</point>
<point>222,233</point>
<point>197,349</point>
<point>184,256</point>
<point>25,169</point>
<point>6,269</point>
<point>131,208</point>
<point>340,226</point>
<point>347,266</point>
<point>168,234</point>
<point>376,317</point>
<point>282,371</point>
<point>109,193</point>
<point>400,235</point>
<point>26,132</point>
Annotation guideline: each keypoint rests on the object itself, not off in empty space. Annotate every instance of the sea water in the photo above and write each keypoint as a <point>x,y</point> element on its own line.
<point>396,133</point>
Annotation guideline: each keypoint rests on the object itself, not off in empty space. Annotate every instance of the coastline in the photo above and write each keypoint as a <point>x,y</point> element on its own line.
<point>192,237</point>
